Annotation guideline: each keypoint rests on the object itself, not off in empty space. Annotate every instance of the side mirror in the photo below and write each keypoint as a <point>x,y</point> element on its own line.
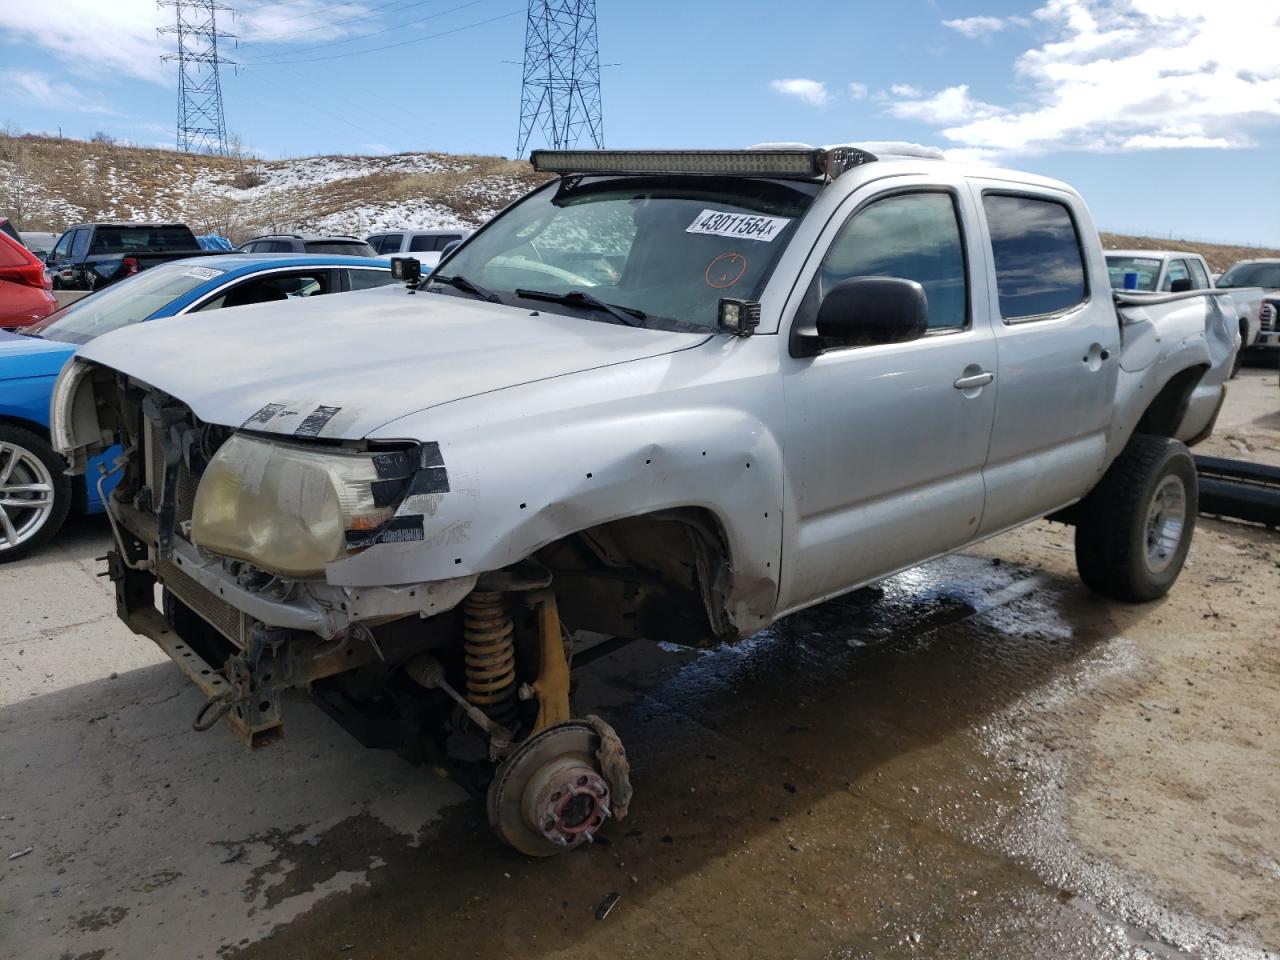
<point>1181,285</point>
<point>870,310</point>
<point>449,247</point>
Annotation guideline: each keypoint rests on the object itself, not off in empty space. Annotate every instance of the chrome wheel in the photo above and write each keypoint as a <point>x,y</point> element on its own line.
<point>27,496</point>
<point>1166,517</point>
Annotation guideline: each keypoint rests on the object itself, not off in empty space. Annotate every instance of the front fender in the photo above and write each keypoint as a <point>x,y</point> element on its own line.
<point>521,484</point>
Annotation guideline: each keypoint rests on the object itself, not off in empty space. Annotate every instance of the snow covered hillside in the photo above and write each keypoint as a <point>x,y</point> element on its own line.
<point>47,184</point>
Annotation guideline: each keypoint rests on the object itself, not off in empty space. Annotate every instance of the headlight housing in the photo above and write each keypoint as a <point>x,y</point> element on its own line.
<point>284,507</point>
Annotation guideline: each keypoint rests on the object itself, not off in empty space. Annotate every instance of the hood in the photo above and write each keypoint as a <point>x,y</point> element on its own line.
<point>340,366</point>
<point>24,357</point>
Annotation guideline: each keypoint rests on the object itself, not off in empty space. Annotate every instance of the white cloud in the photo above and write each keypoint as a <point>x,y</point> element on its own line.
<point>1125,75</point>
<point>952,105</point>
<point>976,27</point>
<point>302,21</point>
<point>905,90</point>
<point>813,92</point>
<point>115,38</point>
<point>858,91</point>
<point>40,89</point>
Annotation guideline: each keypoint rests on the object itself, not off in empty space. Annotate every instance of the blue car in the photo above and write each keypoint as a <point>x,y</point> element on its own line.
<point>35,493</point>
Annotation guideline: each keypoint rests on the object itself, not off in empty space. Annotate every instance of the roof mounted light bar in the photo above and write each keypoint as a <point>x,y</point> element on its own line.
<point>785,164</point>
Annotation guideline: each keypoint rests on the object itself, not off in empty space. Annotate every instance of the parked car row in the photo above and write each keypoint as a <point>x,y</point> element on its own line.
<point>671,396</point>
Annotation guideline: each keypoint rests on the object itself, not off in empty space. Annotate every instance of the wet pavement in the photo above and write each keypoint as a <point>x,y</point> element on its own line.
<point>976,759</point>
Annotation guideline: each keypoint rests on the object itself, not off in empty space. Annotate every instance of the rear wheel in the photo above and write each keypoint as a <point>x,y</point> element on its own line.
<point>1134,529</point>
<point>35,492</point>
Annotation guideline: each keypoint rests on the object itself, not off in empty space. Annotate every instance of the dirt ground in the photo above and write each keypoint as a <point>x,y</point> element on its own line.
<point>978,758</point>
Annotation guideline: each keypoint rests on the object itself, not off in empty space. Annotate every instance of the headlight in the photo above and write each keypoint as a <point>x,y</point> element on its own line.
<point>283,507</point>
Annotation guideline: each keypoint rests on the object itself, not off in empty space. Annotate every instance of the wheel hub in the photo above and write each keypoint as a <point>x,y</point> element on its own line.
<point>567,800</point>
<point>1166,516</point>
<point>549,796</point>
<point>26,495</point>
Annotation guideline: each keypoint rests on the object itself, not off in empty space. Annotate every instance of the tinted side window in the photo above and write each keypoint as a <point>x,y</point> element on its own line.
<point>1199,278</point>
<point>914,236</point>
<point>368,279</point>
<point>390,243</point>
<point>80,244</point>
<point>1177,271</point>
<point>423,243</point>
<point>64,245</point>
<point>1036,251</point>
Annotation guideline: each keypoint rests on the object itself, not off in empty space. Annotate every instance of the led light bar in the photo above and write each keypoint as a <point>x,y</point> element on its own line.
<point>792,164</point>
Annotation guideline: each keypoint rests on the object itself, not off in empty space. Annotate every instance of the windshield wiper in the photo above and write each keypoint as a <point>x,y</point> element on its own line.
<point>580,298</point>
<point>459,282</point>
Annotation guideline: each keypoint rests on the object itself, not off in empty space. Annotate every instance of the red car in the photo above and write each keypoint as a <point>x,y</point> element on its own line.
<point>26,292</point>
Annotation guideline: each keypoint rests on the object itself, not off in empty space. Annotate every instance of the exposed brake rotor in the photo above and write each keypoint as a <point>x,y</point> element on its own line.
<point>550,796</point>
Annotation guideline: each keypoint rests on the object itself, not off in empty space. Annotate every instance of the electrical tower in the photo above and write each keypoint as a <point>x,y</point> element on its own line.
<point>561,90</point>
<point>202,127</point>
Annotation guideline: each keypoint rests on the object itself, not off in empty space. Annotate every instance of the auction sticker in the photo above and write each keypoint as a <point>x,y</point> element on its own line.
<point>204,273</point>
<point>717,223</point>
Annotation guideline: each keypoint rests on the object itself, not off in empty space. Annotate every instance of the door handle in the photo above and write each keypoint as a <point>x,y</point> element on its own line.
<point>976,380</point>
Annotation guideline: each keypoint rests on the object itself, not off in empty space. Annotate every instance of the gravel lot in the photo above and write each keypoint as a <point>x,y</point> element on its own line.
<point>976,759</point>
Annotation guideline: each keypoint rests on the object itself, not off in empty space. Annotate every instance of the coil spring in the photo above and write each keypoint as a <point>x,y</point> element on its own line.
<point>490,655</point>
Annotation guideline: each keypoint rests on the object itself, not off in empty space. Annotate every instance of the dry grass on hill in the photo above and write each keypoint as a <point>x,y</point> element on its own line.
<point>47,183</point>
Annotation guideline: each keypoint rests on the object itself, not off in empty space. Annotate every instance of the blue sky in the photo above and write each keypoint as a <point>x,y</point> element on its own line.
<point>1164,113</point>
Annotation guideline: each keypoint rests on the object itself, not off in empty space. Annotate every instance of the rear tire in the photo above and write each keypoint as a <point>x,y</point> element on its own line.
<point>1134,528</point>
<point>35,492</point>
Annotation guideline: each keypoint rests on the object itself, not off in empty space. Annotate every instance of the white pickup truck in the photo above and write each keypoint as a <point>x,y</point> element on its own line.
<point>1177,271</point>
<point>1257,279</point>
<point>667,395</point>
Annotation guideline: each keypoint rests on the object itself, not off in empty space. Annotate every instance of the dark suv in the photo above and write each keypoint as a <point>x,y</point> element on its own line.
<point>310,243</point>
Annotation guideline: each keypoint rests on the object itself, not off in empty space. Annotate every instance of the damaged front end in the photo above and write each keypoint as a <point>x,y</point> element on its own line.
<point>238,528</point>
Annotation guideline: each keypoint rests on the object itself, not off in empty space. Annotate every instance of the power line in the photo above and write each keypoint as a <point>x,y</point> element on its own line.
<point>365,36</point>
<point>393,46</point>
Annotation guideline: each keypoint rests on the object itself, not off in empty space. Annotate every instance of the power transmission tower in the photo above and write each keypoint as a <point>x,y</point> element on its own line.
<point>202,127</point>
<point>561,90</point>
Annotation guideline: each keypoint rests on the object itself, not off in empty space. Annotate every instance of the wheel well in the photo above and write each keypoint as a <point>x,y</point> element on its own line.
<point>662,576</point>
<point>1163,416</point>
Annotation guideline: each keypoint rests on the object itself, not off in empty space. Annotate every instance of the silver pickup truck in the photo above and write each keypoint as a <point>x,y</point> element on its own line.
<point>667,395</point>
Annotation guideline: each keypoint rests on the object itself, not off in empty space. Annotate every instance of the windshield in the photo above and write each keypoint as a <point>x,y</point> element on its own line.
<point>667,247</point>
<point>1252,275</point>
<point>129,301</point>
<point>1143,270</point>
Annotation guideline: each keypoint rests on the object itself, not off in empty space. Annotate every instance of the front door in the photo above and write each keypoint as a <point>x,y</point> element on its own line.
<point>886,443</point>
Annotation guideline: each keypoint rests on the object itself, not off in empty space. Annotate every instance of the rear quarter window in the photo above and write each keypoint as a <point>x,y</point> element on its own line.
<point>345,248</point>
<point>1035,248</point>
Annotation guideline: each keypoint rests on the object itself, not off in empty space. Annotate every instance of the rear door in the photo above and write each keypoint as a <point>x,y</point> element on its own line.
<point>1058,342</point>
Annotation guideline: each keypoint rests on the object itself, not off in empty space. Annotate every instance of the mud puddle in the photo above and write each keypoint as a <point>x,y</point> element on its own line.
<point>829,788</point>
